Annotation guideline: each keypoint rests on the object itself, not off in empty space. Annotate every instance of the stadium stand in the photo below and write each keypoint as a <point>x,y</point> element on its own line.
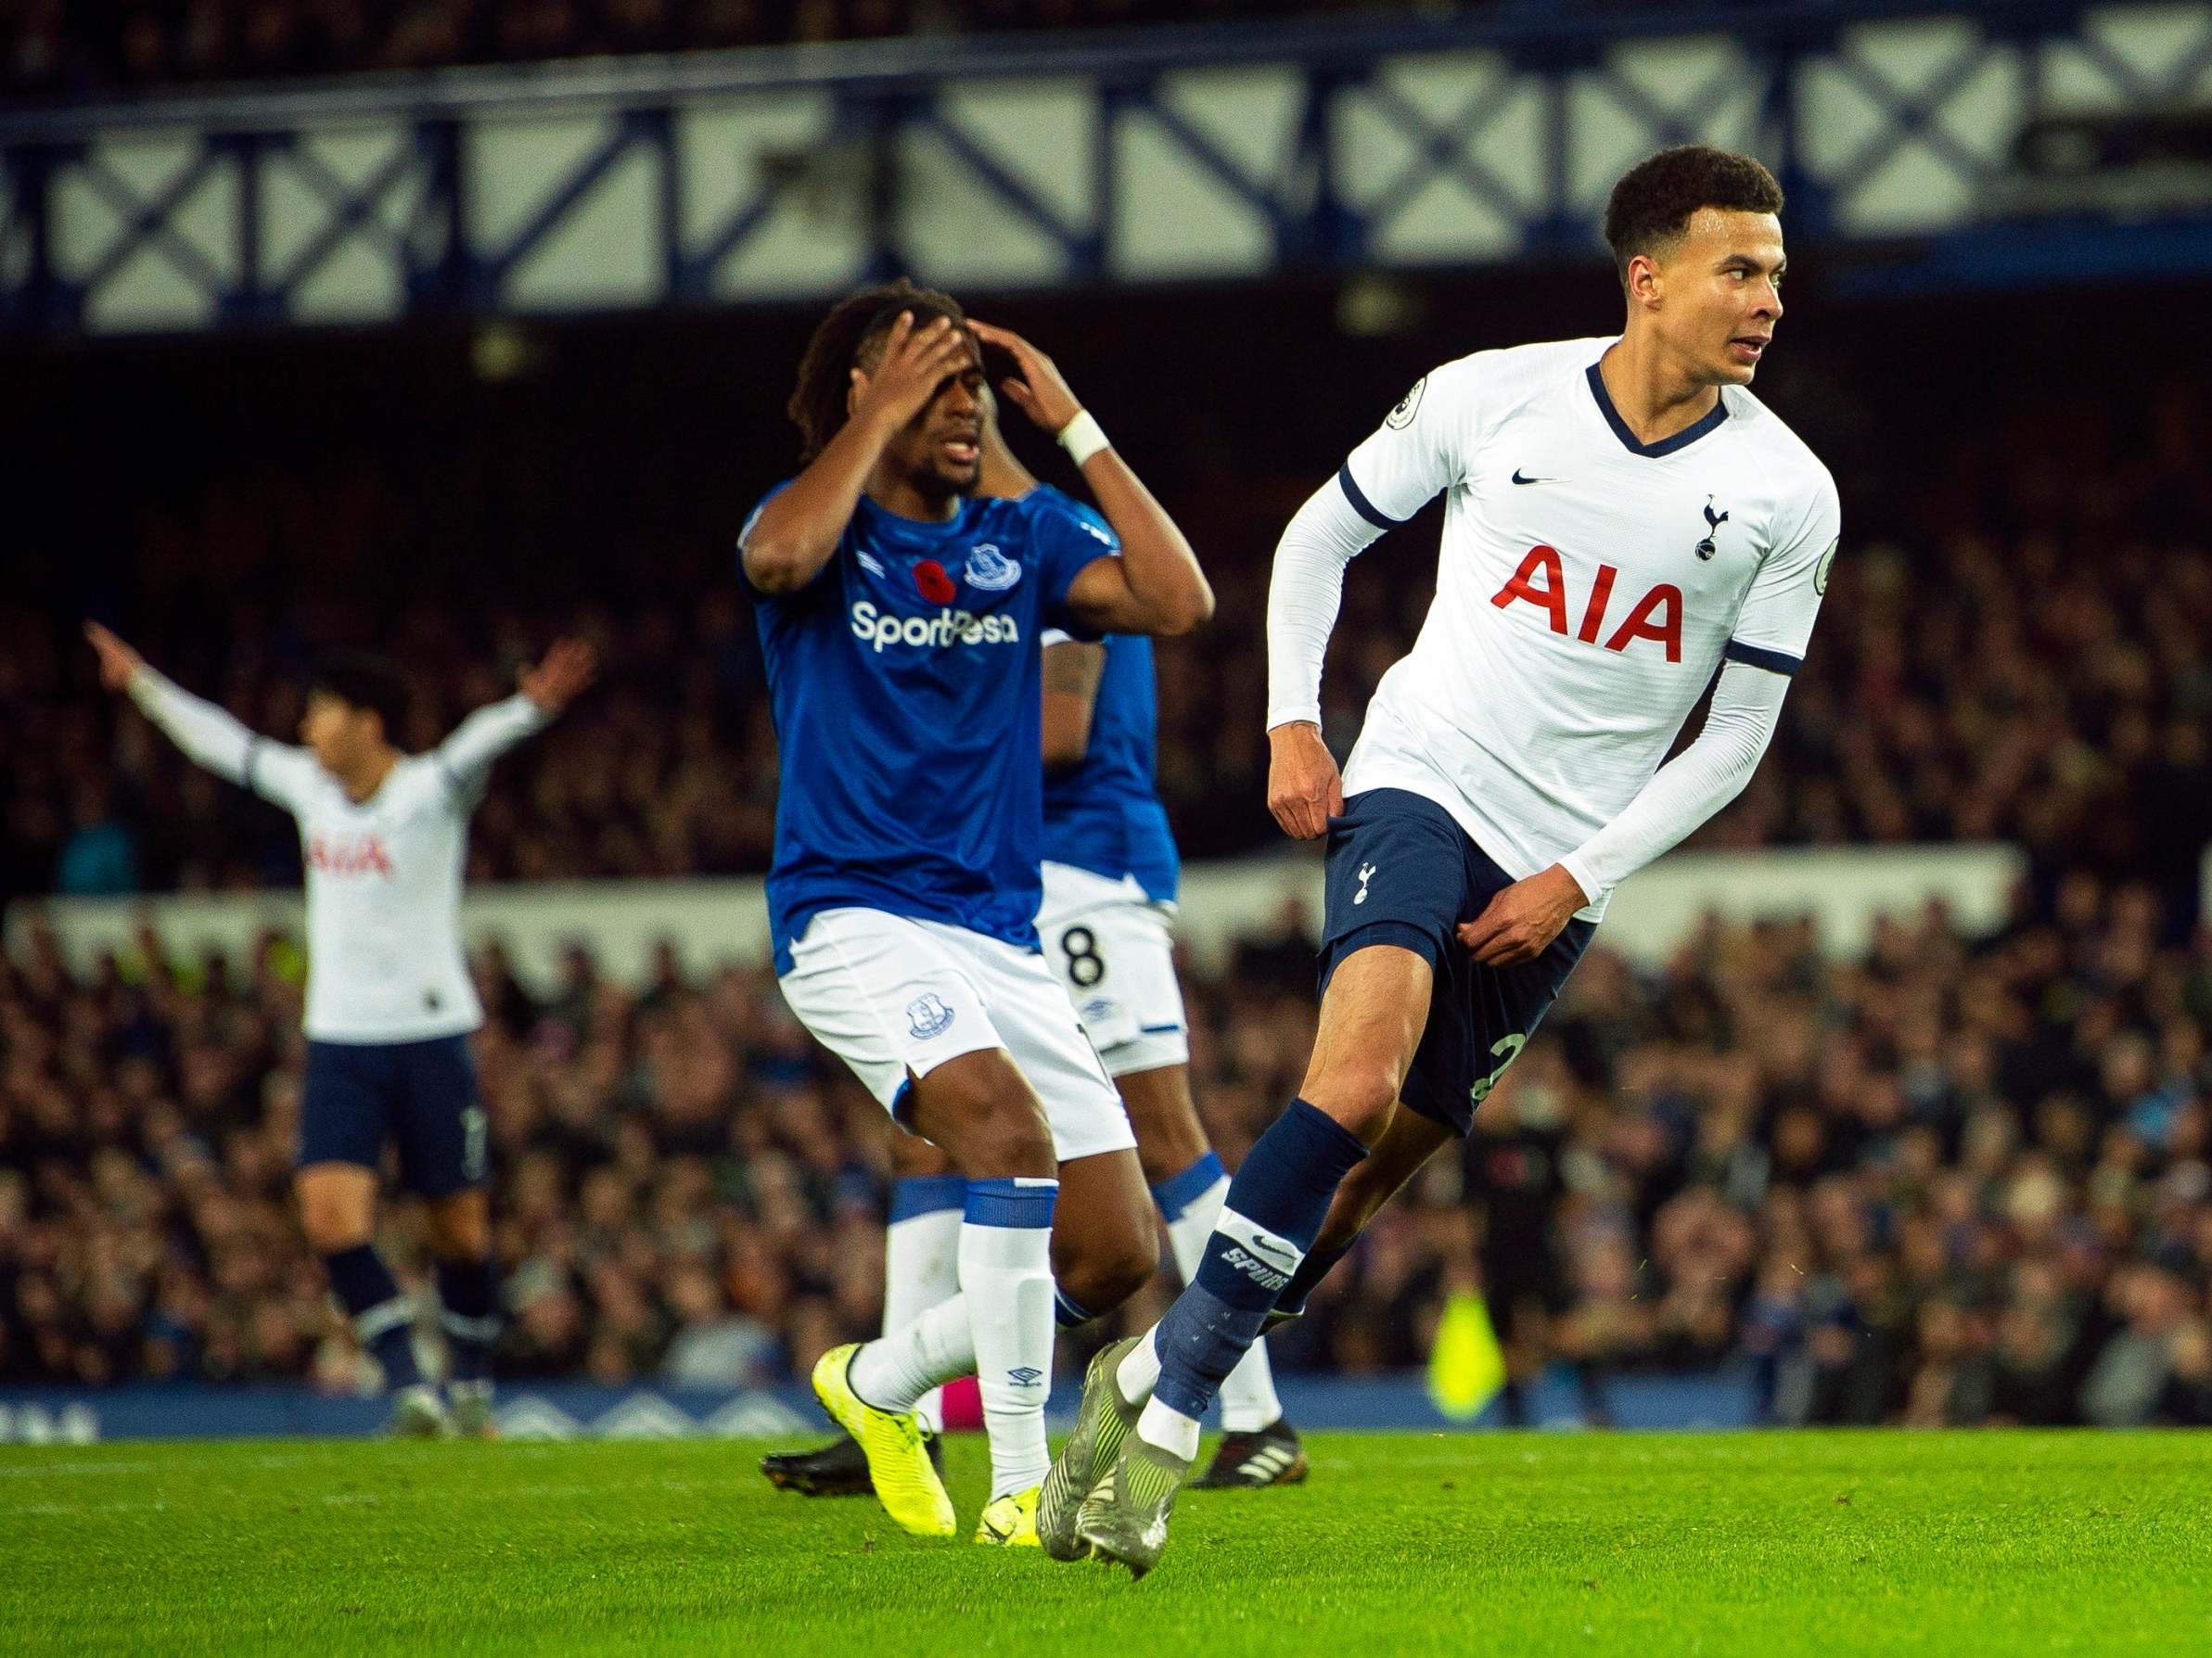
<point>128,45</point>
<point>1957,1180</point>
<point>2010,652</point>
<point>1963,1178</point>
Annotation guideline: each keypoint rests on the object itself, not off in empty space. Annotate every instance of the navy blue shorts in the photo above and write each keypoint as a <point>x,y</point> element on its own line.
<point>357,1097</point>
<point>1401,871</point>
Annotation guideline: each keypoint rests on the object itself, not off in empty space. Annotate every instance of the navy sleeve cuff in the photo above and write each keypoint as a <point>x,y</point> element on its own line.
<point>1757,655</point>
<point>1361,505</point>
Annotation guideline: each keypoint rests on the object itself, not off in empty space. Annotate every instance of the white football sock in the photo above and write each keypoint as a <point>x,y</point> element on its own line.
<point>1139,1372</point>
<point>1007,1285</point>
<point>921,1270</point>
<point>1170,1429</point>
<point>1248,1399</point>
<point>897,1372</point>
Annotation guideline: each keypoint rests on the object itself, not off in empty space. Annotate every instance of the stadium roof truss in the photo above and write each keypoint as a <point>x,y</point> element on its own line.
<point>1154,155</point>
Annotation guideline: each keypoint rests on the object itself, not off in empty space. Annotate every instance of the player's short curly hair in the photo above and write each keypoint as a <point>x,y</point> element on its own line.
<point>1652,204</point>
<point>368,684</point>
<point>840,345</point>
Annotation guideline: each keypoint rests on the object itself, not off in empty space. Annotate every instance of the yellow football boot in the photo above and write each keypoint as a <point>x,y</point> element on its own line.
<point>898,1453</point>
<point>1011,1521</point>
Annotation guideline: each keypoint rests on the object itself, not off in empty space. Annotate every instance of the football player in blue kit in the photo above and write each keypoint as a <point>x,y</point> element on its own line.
<point>900,615</point>
<point>1110,876</point>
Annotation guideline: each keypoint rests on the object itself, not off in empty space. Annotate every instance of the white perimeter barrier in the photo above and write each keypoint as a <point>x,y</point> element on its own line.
<point>709,921</point>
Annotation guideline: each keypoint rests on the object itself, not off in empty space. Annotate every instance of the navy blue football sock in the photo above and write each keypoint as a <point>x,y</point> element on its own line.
<point>1275,1206</point>
<point>470,1319</point>
<point>1068,1312</point>
<point>383,1319</point>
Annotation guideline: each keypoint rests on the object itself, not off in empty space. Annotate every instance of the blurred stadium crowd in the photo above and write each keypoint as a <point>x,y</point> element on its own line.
<point>1958,1181</point>
<point>2020,649</point>
<point>75,46</point>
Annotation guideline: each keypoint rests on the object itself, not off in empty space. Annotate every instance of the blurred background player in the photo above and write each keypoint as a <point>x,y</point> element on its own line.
<point>1109,880</point>
<point>897,614</point>
<point>1623,519</point>
<point>389,1002</point>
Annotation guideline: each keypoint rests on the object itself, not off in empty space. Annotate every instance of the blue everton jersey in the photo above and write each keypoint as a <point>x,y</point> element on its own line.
<point>1102,814</point>
<point>905,682</point>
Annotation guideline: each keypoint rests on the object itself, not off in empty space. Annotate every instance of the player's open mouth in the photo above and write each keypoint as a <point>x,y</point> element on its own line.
<point>962,451</point>
<point>1748,347</point>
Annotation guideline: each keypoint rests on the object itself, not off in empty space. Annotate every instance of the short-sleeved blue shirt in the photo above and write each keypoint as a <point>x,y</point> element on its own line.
<point>904,682</point>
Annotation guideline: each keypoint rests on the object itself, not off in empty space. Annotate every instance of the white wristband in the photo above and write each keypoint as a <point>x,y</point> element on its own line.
<point>1083,437</point>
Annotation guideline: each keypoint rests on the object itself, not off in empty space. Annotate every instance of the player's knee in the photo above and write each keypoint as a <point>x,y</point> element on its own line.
<point>1360,1096</point>
<point>1006,1136</point>
<point>333,1219</point>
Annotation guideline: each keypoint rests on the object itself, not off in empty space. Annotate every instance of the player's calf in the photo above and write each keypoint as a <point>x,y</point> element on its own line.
<point>1105,1247</point>
<point>338,1211</point>
<point>468,1298</point>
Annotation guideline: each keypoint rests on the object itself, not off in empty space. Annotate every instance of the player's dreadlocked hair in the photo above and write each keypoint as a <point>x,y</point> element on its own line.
<point>1653,203</point>
<point>817,405</point>
<point>367,683</point>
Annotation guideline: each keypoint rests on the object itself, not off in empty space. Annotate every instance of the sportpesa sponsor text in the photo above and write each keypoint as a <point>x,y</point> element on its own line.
<point>881,628</point>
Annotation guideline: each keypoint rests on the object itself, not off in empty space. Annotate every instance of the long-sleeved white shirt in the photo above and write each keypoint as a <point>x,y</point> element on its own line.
<point>384,955</point>
<point>1588,587</point>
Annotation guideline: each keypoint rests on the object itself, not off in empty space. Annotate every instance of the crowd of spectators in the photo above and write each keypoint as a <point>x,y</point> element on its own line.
<point>78,46</point>
<point>2016,650</point>
<point>1953,1180</point>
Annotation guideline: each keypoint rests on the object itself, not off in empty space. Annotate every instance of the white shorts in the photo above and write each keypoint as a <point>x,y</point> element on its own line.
<point>1115,951</point>
<point>895,997</point>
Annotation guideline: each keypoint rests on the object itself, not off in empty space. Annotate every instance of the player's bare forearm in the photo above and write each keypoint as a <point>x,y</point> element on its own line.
<point>798,533</point>
<point>1168,589</point>
<point>1071,675</point>
<point>1520,921</point>
<point>1156,587</point>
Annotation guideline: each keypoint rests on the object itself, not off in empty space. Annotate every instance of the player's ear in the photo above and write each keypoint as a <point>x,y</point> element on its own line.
<point>1643,282</point>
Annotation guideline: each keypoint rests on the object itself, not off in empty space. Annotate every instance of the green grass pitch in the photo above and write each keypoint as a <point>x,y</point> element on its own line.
<point>1754,1544</point>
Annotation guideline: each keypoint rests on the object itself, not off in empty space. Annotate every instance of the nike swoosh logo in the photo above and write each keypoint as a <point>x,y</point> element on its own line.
<point>1519,479</point>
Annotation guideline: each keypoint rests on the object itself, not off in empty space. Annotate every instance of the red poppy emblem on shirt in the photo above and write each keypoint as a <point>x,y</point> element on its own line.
<point>936,586</point>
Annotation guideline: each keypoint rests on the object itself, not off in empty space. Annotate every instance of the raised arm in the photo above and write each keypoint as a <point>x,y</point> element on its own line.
<point>547,690</point>
<point>206,733</point>
<point>1156,585</point>
<point>796,533</point>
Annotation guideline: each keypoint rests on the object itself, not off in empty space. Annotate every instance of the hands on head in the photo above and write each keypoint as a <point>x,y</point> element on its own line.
<point>915,362</point>
<point>1039,389</point>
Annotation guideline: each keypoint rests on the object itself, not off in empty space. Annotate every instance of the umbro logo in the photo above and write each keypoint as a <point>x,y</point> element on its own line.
<point>1027,1375</point>
<point>1519,479</point>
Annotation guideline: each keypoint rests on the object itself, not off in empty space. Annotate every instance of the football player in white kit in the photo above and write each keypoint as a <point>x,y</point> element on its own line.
<point>389,1003</point>
<point>1623,521</point>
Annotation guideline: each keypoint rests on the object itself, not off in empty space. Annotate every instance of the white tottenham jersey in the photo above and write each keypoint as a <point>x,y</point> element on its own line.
<point>1588,588</point>
<point>384,958</point>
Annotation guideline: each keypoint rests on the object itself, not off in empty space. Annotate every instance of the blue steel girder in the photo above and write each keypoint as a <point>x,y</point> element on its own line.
<point>1439,149</point>
<point>850,116</point>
